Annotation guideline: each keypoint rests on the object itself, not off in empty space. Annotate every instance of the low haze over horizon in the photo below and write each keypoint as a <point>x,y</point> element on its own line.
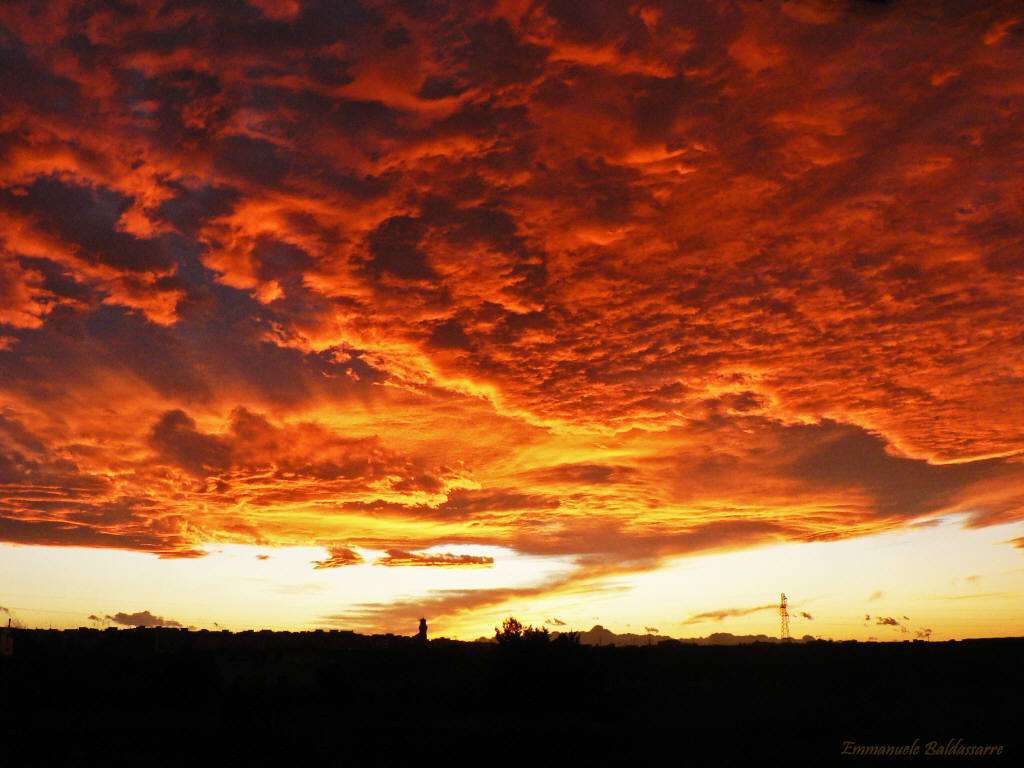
<point>323,314</point>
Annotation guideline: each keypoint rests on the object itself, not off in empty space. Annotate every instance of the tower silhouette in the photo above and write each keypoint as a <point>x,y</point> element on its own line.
<point>784,619</point>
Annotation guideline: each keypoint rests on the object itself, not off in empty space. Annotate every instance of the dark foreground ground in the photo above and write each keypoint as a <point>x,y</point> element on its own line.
<point>148,696</point>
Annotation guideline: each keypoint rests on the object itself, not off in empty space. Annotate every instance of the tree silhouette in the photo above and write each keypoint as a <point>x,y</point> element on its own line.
<point>513,631</point>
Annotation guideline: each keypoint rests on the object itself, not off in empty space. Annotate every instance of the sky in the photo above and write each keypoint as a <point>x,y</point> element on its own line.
<point>323,314</point>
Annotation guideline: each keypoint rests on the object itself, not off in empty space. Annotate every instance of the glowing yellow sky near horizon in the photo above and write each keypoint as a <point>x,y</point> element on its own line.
<point>966,585</point>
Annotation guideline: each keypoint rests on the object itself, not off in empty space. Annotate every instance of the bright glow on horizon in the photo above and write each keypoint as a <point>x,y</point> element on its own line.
<point>951,584</point>
<point>232,587</point>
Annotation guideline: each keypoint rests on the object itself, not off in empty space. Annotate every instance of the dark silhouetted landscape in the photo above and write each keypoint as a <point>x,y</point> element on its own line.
<point>157,694</point>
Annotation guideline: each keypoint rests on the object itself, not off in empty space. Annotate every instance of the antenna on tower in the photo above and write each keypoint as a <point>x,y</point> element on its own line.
<point>784,619</point>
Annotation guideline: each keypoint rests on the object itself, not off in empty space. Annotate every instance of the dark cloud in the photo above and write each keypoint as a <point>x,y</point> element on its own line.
<point>582,474</point>
<point>462,502</point>
<point>166,539</point>
<point>440,87</point>
<point>449,335</point>
<point>176,438</point>
<point>887,621</point>
<point>252,444</point>
<point>394,249</point>
<point>14,432</point>
<point>899,486</point>
<point>494,55</point>
<point>142,619</point>
<point>188,207</point>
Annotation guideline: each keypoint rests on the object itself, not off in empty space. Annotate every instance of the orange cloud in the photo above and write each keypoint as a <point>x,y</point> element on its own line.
<point>339,557</point>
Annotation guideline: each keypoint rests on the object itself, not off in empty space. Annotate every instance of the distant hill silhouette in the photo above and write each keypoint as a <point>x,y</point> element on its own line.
<point>598,635</point>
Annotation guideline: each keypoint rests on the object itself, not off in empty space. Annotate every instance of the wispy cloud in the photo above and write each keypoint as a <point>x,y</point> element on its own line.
<point>725,613</point>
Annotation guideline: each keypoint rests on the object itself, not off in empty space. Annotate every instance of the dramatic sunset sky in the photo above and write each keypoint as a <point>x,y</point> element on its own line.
<point>335,314</point>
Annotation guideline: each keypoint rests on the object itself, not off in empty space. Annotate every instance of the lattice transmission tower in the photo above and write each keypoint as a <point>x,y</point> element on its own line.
<point>784,618</point>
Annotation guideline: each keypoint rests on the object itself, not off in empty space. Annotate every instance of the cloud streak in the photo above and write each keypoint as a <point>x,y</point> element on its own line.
<point>398,557</point>
<point>726,613</point>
